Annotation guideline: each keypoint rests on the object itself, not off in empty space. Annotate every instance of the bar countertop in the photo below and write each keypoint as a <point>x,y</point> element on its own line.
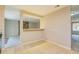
<point>33,29</point>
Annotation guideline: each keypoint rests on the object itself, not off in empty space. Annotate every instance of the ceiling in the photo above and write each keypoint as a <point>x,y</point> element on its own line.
<point>41,10</point>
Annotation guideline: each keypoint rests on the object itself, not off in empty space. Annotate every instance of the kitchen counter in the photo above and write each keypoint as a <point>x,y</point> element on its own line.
<point>33,29</point>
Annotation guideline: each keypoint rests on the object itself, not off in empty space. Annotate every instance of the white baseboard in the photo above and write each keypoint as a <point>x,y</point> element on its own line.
<point>58,44</point>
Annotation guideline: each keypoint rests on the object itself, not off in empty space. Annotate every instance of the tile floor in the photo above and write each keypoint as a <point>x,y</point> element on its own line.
<point>46,48</point>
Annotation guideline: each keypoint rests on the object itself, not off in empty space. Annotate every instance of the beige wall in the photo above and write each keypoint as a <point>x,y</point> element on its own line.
<point>42,23</point>
<point>58,27</point>
<point>1,18</point>
<point>29,36</point>
<point>2,22</point>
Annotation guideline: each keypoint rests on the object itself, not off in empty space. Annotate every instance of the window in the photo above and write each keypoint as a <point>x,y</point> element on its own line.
<point>31,23</point>
<point>75,26</point>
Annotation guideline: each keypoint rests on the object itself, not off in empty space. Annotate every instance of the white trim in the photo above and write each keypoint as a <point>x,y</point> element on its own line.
<point>52,42</point>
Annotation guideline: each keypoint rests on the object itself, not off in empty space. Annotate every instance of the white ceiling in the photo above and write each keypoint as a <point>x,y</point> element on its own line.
<point>41,10</point>
<point>12,13</point>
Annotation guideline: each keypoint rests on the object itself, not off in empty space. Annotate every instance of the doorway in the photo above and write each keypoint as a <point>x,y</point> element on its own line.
<point>12,32</point>
<point>75,28</point>
<point>11,27</point>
